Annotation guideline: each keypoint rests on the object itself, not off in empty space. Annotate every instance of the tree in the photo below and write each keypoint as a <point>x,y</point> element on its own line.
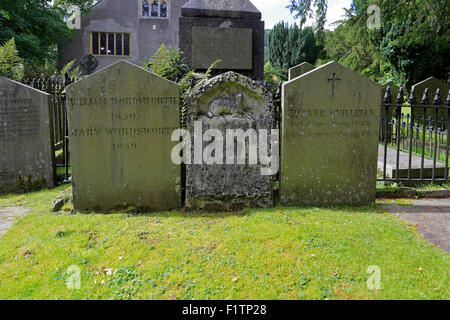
<point>413,40</point>
<point>84,5</point>
<point>277,39</point>
<point>38,27</point>
<point>292,45</point>
<point>346,47</point>
<point>304,9</point>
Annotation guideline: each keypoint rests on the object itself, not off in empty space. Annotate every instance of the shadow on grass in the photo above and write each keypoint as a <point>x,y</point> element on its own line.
<point>193,214</point>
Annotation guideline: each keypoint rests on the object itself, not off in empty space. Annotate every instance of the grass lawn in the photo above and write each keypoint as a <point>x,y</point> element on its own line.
<point>280,253</point>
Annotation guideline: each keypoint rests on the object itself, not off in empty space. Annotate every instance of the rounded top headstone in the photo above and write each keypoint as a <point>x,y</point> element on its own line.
<point>234,9</point>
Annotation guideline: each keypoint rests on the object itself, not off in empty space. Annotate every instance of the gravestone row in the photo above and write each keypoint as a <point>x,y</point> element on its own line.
<point>123,119</point>
<point>122,125</point>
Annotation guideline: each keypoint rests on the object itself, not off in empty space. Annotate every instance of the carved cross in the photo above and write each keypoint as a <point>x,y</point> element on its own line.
<point>334,79</point>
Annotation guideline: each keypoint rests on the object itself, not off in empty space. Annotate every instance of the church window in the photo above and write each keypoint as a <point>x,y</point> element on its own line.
<point>154,8</point>
<point>110,44</point>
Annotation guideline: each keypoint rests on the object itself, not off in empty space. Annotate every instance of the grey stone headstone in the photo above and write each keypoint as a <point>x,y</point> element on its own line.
<point>207,46</point>
<point>330,137</point>
<point>120,124</point>
<point>432,84</point>
<point>300,69</point>
<point>228,101</point>
<point>227,30</point>
<point>26,138</point>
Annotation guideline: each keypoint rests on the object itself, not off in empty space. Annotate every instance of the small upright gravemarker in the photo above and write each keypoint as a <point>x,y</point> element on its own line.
<point>329,146</point>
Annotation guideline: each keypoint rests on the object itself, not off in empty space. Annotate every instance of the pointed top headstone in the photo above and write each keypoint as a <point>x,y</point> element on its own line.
<point>120,123</point>
<point>300,69</point>
<point>432,84</point>
<point>235,9</point>
<point>331,126</point>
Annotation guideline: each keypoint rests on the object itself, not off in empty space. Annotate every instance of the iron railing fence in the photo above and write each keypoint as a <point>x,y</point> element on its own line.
<point>414,138</point>
<point>56,87</point>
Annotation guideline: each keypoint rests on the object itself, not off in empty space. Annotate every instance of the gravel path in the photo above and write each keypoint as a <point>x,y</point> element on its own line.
<point>9,215</point>
<point>430,217</point>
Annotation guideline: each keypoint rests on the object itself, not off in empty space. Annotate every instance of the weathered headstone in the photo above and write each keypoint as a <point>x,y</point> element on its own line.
<point>120,123</point>
<point>432,84</point>
<point>229,102</point>
<point>26,145</point>
<point>300,69</point>
<point>231,31</point>
<point>330,136</point>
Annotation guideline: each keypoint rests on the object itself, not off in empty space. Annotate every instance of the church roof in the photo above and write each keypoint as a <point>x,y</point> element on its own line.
<point>235,9</point>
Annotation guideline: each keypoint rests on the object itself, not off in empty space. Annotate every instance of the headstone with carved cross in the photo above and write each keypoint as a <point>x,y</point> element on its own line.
<point>330,136</point>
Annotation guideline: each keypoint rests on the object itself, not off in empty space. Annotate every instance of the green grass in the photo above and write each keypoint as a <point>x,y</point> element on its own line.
<point>280,253</point>
<point>433,186</point>
<point>60,171</point>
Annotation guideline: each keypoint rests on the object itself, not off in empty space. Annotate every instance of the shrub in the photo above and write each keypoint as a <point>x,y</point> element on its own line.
<point>274,76</point>
<point>11,65</point>
<point>168,64</point>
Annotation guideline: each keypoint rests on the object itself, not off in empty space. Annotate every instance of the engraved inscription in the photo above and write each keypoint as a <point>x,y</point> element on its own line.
<point>18,117</point>
<point>121,124</point>
<point>233,46</point>
<point>113,102</point>
<point>322,122</point>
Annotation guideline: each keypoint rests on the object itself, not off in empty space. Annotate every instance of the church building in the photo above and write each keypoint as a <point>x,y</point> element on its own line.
<point>123,29</point>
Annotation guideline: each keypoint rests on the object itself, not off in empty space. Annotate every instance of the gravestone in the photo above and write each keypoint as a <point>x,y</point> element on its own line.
<point>432,84</point>
<point>300,69</point>
<point>330,136</point>
<point>229,102</point>
<point>120,123</point>
<point>26,138</point>
<point>231,31</point>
